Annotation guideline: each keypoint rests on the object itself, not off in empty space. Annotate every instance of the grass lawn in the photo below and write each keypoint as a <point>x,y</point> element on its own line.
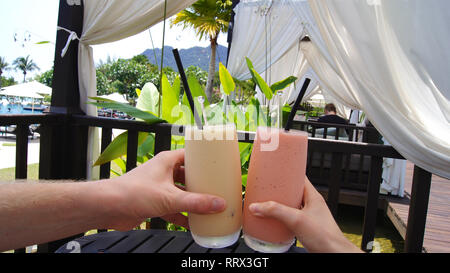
<point>9,144</point>
<point>9,173</point>
<point>350,220</point>
<point>33,172</point>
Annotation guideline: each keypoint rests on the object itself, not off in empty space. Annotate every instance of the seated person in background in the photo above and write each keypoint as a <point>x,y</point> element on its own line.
<point>331,117</point>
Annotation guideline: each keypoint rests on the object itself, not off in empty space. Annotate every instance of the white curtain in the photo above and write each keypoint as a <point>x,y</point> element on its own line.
<point>292,63</point>
<point>313,89</point>
<point>393,176</point>
<point>392,58</point>
<point>329,77</point>
<point>269,33</point>
<point>309,27</point>
<point>107,21</point>
<point>264,31</point>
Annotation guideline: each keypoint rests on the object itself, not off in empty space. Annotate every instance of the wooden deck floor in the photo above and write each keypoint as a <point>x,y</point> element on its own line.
<point>437,229</point>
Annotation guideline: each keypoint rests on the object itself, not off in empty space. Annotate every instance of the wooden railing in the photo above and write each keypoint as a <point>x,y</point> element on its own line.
<point>355,166</point>
<point>349,132</point>
<point>57,131</point>
<point>22,123</point>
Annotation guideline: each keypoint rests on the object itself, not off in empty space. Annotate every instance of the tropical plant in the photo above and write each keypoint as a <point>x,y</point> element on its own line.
<point>4,66</point>
<point>208,18</point>
<point>104,84</point>
<point>269,91</point>
<point>198,73</point>
<point>25,64</point>
<point>117,150</point>
<point>246,117</point>
<point>125,76</point>
<point>245,91</point>
<point>7,81</point>
<point>141,59</point>
<point>46,78</point>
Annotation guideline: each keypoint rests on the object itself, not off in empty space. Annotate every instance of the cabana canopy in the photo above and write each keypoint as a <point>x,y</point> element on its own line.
<point>103,21</point>
<point>363,55</point>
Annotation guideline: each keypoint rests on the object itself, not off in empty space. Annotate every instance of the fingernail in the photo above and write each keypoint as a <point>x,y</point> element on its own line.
<point>218,204</point>
<point>255,209</point>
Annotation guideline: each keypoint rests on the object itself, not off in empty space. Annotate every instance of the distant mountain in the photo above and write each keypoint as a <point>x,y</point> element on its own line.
<point>197,56</point>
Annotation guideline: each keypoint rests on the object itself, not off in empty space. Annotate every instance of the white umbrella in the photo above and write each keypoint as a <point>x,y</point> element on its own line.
<point>26,90</point>
<point>34,90</point>
<point>317,100</point>
<point>40,88</point>
<point>115,97</point>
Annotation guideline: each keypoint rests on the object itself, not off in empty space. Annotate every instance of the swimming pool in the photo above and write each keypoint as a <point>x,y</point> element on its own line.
<point>19,109</point>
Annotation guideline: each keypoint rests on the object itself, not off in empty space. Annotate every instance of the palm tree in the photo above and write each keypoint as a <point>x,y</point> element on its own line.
<point>208,18</point>
<point>4,66</point>
<point>25,65</point>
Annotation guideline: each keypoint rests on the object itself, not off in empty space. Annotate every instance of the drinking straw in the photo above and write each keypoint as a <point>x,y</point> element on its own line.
<point>187,90</point>
<point>201,100</point>
<point>297,104</point>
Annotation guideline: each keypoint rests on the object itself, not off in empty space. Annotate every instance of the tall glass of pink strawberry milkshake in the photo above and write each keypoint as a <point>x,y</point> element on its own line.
<point>276,173</point>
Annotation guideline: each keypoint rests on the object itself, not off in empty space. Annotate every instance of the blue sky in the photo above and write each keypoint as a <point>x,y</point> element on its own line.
<point>37,19</point>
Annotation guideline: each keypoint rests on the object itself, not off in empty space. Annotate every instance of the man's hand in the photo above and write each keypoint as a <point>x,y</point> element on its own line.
<point>150,191</point>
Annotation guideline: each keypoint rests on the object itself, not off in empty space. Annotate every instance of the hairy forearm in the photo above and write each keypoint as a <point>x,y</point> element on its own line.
<point>33,213</point>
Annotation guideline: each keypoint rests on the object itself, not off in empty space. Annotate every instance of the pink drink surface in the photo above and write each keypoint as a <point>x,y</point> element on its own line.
<point>275,175</point>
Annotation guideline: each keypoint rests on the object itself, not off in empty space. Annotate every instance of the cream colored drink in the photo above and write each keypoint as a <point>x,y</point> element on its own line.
<point>212,166</point>
<point>276,173</point>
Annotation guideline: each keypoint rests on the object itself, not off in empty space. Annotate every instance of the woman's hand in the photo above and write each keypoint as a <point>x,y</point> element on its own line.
<point>313,224</point>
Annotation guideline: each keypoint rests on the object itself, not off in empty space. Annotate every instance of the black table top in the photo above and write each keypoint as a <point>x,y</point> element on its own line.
<point>149,241</point>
